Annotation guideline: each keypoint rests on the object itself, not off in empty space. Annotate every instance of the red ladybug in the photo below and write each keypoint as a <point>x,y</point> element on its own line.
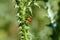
<point>29,19</point>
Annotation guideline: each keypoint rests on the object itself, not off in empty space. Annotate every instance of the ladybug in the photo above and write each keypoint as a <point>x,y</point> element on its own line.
<point>29,19</point>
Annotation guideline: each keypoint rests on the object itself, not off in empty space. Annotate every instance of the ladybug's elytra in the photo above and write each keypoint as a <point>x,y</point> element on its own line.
<point>29,19</point>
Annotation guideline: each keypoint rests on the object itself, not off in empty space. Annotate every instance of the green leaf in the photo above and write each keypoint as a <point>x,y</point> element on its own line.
<point>35,3</point>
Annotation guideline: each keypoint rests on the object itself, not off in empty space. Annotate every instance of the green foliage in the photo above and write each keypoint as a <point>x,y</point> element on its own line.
<point>38,10</point>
